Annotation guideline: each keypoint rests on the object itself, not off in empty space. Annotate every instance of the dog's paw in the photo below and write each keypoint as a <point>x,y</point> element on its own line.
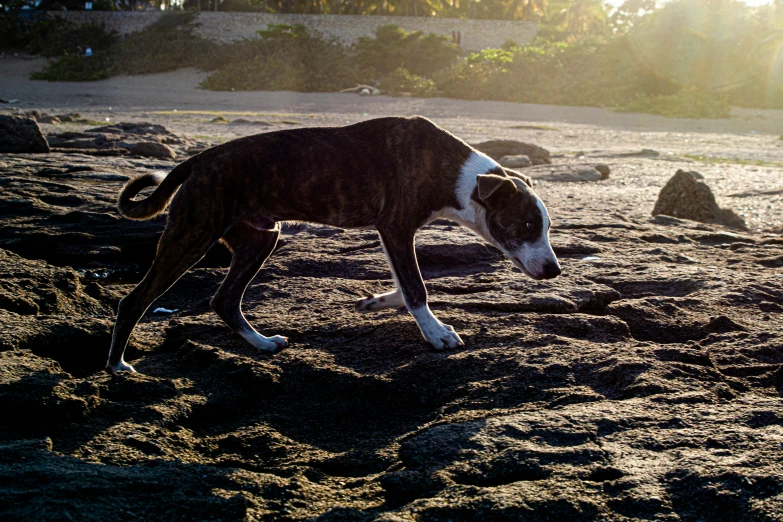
<point>369,304</point>
<point>380,302</point>
<point>442,336</point>
<point>265,344</point>
<point>121,366</point>
<point>271,344</point>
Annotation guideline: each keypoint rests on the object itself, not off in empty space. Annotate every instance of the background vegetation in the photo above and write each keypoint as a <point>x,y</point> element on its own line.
<point>687,58</point>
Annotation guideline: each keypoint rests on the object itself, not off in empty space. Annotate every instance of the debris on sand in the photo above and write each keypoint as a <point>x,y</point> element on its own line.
<point>21,134</point>
<point>496,149</point>
<point>363,90</point>
<point>686,196</point>
<point>568,173</point>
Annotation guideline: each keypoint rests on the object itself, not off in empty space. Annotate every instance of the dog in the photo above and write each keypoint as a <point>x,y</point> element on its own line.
<point>393,174</point>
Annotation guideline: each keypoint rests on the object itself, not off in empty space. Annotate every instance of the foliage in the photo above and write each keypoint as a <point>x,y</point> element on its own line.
<point>55,36</point>
<point>165,45</point>
<point>394,47</point>
<point>77,68</point>
<point>688,58</point>
<point>687,103</point>
<point>287,58</point>
<point>553,73</point>
<point>402,81</point>
<point>720,46</point>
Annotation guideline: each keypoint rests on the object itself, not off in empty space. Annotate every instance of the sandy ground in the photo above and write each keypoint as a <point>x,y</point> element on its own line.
<point>645,383</point>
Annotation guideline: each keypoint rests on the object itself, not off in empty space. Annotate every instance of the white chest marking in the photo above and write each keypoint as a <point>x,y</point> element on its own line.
<point>470,215</point>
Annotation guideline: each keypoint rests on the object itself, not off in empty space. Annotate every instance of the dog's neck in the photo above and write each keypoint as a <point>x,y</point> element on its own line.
<point>471,214</point>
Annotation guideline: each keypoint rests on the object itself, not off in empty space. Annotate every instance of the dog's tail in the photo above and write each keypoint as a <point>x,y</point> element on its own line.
<point>156,202</point>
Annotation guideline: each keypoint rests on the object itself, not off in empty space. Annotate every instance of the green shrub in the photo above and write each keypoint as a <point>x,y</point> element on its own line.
<point>557,73</point>
<point>393,47</point>
<point>55,36</point>
<point>77,68</point>
<point>473,80</point>
<point>286,58</point>
<point>403,81</point>
<point>165,45</point>
<point>688,103</point>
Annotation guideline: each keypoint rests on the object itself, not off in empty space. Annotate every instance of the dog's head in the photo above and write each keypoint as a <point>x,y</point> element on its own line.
<point>517,222</point>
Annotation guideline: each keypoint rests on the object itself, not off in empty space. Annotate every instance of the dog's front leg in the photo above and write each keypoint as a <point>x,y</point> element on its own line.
<point>401,253</point>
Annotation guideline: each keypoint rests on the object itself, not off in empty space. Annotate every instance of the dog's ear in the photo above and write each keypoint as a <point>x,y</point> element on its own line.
<point>519,175</point>
<point>492,189</point>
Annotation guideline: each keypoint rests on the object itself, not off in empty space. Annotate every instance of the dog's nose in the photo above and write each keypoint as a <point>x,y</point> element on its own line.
<point>551,270</point>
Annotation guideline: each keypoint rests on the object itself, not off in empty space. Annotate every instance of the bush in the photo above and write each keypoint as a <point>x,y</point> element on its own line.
<point>165,45</point>
<point>688,103</point>
<point>286,58</point>
<point>475,80</point>
<point>77,68</point>
<point>55,36</point>
<point>559,73</point>
<point>393,47</point>
<point>403,81</point>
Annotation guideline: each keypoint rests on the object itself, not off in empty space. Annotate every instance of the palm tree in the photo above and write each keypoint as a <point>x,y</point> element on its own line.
<point>582,16</point>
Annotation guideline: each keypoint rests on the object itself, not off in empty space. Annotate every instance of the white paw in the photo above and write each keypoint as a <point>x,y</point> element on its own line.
<point>442,336</point>
<point>122,366</point>
<point>365,305</point>
<point>275,343</point>
<point>267,344</point>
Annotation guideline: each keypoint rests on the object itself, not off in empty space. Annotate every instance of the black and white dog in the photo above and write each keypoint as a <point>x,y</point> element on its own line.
<point>392,174</point>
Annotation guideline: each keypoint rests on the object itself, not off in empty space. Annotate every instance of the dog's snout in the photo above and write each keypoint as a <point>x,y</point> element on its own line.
<point>551,270</point>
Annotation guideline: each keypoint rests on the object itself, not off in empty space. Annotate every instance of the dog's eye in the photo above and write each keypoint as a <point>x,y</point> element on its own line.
<point>530,225</point>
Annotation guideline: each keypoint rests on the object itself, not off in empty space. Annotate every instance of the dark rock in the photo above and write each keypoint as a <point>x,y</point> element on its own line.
<point>19,134</point>
<point>152,149</point>
<point>34,287</point>
<point>31,388</point>
<point>603,169</point>
<point>91,151</point>
<point>117,139</point>
<point>686,196</point>
<point>48,118</point>
<point>242,121</point>
<point>496,149</point>
<point>142,128</point>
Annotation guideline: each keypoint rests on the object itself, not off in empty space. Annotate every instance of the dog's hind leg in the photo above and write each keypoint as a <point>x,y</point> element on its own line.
<point>180,247</point>
<point>380,302</point>
<point>250,247</point>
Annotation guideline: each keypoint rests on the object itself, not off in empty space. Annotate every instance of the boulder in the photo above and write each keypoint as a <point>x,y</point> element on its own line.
<point>580,172</point>
<point>686,196</point>
<point>496,149</point>
<point>21,134</point>
<point>518,161</point>
<point>116,139</point>
<point>144,128</point>
<point>153,149</point>
<point>48,118</point>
